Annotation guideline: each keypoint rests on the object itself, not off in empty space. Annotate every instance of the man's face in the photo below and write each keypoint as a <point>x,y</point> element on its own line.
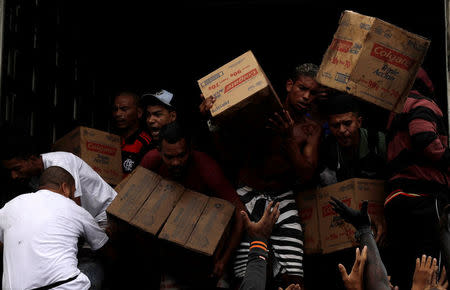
<point>175,156</point>
<point>21,170</point>
<point>157,117</point>
<point>345,127</point>
<point>303,92</point>
<point>125,112</point>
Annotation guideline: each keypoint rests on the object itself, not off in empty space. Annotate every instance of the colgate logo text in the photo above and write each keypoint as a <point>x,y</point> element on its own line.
<point>392,57</point>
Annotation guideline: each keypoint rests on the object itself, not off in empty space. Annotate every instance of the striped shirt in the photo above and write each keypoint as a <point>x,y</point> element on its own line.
<point>418,154</point>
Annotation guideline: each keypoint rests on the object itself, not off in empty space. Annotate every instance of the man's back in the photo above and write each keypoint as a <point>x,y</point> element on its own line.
<point>40,233</point>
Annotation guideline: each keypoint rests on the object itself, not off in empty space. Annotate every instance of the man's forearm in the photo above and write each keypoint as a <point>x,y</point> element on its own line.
<point>255,272</point>
<point>375,272</point>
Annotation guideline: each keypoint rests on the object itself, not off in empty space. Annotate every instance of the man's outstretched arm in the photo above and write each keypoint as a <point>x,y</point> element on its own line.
<point>375,272</point>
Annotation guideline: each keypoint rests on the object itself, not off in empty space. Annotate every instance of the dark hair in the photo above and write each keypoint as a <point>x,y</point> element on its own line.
<point>340,104</point>
<point>137,99</point>
<point>55,176</point>
<point>173,132</point>
<point>18,143</point>
<point>306,69</point>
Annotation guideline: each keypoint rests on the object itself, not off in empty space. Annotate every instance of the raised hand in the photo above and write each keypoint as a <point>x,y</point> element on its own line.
<point>263,228</point>
<point>354,280</point>
<point>358,218</point>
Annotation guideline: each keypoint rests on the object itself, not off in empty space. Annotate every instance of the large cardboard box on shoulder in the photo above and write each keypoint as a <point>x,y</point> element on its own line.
<point>171,212</point>
<point>101,150</point>
<point>326,232</point>
<point>373,60</point>
<point>242,90</point>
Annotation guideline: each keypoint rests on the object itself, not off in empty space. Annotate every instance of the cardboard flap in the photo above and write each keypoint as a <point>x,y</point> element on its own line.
<point>184,217</point>
<point>131,197</point>
<point>158,206</point>
<point>211,226</point>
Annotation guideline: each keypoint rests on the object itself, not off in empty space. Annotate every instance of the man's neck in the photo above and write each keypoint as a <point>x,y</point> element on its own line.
<point>126,133</point>
<point>296,115</point>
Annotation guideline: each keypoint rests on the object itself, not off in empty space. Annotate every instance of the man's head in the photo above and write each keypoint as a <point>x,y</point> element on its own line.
<point>59,180</point>
<point>344,120</point>
<point>19,156</point>
<point>302,89</point>
<point>159,111</point>
<point>126,111</point>
<point>175,148</point>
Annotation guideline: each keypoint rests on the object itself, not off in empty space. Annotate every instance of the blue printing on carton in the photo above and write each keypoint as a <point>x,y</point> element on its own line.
<point>342,78</point>
<point>387,72</point>
<point>220,106</point>
<point>211,79</point>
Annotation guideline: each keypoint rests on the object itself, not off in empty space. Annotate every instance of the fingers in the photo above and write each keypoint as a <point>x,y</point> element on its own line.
<point>276,212</point>
<point>267,211</point>
<point>443,279</point>
<point>246,219</point>
<point>344,274</point>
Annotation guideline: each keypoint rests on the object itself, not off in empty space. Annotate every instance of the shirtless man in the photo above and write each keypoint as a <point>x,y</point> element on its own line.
<point>278,160</point>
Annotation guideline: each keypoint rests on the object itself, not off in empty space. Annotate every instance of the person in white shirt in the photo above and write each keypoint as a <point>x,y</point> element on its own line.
<point>95,194</point>
<point>40,233</point>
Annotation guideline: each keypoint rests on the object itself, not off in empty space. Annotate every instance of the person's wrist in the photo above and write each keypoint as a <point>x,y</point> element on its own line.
<point>363,230</point>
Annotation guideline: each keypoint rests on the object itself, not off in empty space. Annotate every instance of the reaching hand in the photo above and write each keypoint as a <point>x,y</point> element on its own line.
<point>355,281</point>
<point>283,124</point>
<point>359,219</point>
<point>424,272</point>
<point>442,284</point>
<point>206,105</point>
<point>263,228</point>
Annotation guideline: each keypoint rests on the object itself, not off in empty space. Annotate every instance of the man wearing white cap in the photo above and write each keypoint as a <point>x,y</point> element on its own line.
<point>159,111</point>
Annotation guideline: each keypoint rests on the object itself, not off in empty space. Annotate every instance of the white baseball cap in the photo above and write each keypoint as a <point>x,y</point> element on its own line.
<point>163,96</point>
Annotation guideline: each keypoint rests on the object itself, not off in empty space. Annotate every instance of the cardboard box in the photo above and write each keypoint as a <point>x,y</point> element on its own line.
<point>239,84</point>
<point>334,233</point>
<point>99,149</point>
<point>373,60</point>
<point>168,210</point>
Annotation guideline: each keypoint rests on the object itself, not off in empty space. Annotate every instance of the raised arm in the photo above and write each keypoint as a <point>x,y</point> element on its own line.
<point>375,273</point>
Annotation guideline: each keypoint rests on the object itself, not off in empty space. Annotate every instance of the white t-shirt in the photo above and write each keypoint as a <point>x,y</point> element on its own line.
<point>95,194</point>
<point>40,232</point>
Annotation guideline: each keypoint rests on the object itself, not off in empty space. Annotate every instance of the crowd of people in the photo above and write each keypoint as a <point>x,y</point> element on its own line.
<point>317,139</point>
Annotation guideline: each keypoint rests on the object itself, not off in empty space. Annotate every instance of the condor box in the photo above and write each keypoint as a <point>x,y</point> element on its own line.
<point>240,84</point>
<point>373,60</point>
<point>166,209</point>
<point>101,150</point>
<point>326,226</point>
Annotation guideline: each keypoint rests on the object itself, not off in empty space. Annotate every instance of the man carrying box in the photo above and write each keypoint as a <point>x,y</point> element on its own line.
<point>418,187</point>
<point>175,160</point>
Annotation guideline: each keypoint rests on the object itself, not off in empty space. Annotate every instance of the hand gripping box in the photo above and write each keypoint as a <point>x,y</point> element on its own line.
<point>101,150</point>
<point>241,88</point>
<point>325,231</point>
<point>373,60</point>
<point>166,209</point>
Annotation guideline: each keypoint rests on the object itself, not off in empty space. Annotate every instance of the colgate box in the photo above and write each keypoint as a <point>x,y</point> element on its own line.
<point>239,84</point>
<point>335,233</point>
<point>101,150</point>
<point>325,231</point>
<point>373,60</point>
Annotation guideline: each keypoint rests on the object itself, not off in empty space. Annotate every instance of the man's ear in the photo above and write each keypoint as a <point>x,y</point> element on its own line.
<point>66,189</point>
<point>359,120</point>
<point>173,116</point>
<point>289,85</point>
<point>140,112</point>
